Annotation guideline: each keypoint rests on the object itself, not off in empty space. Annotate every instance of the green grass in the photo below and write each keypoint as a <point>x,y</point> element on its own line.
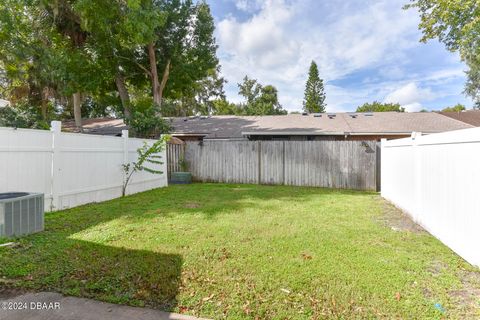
<point>246,251</point>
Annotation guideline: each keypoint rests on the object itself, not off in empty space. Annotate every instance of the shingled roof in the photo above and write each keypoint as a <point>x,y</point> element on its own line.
<point>379,123</point>
<point>471,117</point>
<point>232,127</point>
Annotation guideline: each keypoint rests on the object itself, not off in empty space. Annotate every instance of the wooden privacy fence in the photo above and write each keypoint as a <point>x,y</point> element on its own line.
<point>330,164</point>
<point>175,154</point>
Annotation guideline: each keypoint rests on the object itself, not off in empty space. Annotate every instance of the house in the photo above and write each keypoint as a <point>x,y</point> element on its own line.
<point>325,126</point>
<point>471,117</point>
<point>99,126</point>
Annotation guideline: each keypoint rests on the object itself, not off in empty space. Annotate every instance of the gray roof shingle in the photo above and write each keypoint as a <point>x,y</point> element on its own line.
<point>295,124</point>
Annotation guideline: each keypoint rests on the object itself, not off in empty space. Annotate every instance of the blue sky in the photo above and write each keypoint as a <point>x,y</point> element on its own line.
<point>366,50</point>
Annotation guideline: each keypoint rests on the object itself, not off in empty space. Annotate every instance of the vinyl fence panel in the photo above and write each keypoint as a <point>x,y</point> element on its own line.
<point>435,179</point>
<point>71,169</point>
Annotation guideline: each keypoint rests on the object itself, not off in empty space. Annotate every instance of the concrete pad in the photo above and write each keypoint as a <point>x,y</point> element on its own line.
<point>54,306</point>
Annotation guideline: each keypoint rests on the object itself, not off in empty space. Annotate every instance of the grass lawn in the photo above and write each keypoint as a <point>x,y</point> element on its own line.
<point>244,251</point>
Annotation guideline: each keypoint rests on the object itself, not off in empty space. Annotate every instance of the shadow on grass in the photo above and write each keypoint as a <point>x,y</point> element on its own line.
<point>53,260</point>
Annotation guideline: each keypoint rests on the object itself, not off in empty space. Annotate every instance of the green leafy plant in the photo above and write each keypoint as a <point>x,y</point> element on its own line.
<point>146,124</point>
<point>146,154</point>
<point>22,116</point>
<point>183,165</point>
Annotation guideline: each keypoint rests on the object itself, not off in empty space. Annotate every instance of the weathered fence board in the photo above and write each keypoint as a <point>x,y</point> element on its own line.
<point>175,154</point>
<point>331,164</point>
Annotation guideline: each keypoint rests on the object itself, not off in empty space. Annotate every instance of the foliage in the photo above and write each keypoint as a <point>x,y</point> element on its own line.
<point>53,49</point>
<point>455,23</point>
<point>314,100</point>
<point>380,107</point>
<point>146,124</point>
<point>223,107</point>
<point>147,154</point>
<point>23,116</point>
<point>272,252</point>
<point>260,100</point>
<point>183,164</point>
<point>200,100</point>
<point>457,108</point>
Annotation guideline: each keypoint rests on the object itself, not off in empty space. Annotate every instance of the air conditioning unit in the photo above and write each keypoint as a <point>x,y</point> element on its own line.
<point>21,213</point>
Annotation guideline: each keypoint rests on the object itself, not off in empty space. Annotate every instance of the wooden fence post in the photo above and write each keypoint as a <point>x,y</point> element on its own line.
<point>56,129</point>
<point>259,162</point>
<point>283,162</point>
<point>378,166</point>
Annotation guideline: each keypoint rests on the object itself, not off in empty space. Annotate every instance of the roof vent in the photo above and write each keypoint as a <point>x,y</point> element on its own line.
<point>332,115</point>
<point>317,115</point>
<point>353,115</point>
<point>369,114</point>
<point>203,117</point>
<point>305,114</point>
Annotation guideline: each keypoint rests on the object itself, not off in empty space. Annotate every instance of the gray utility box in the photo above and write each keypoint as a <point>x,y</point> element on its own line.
<point>21,213</point>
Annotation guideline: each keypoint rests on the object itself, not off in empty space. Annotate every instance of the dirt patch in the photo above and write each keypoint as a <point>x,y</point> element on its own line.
<point>241,189</point>
<point>468,297</point>
<point>10,293</point>
<point>397,220</point>
<point>192,205</point>
<point>437,268</point>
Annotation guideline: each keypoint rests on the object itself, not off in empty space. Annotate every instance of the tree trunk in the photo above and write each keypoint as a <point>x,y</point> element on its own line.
<point>124,96</point>
<point>77,110</point>
<point>157,99</point>
<point>44,108</point>
<point>166,74</point>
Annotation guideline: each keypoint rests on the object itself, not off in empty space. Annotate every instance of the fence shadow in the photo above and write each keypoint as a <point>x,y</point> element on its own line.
<point>58,260</point>
<point>80,253</point>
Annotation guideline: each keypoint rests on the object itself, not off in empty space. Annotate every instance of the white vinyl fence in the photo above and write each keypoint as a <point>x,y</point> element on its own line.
<point>436,180</point>
<point>71,169</point>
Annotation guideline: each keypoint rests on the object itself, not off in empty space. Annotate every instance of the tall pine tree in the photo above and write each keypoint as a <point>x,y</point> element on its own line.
<point>314,101</point>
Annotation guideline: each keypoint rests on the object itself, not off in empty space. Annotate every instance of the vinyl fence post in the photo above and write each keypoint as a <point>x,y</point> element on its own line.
<point>417,175</point>
<point>125,153</point>
<point>56,129</point>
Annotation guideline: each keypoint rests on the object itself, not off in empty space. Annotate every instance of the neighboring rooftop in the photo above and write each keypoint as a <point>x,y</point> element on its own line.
<point>471,117</point>
<point>211,127</point>
<point>100,126</point>
<point>384,123</point>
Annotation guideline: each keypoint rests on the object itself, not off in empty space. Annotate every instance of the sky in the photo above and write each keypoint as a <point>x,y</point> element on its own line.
<point>366,50</point>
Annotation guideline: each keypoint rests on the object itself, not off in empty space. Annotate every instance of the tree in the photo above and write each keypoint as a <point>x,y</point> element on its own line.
<point>118,30</point>
<point>260,100</point>
<point>29,55</point>
<point>146,155</point>
<point>223,107</point>
<point>314,100</point>
<point>457,108</point>
<point>184,50</point>
<point>74,58</point>
<point>200,97</point>
<point>454,23</point>
<point>380,107</point>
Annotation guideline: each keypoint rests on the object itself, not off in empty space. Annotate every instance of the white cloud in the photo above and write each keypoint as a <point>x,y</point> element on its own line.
<point>409,94</point>
<point>281,37</point>
<point>248,5</point>
<point>413,107</point>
